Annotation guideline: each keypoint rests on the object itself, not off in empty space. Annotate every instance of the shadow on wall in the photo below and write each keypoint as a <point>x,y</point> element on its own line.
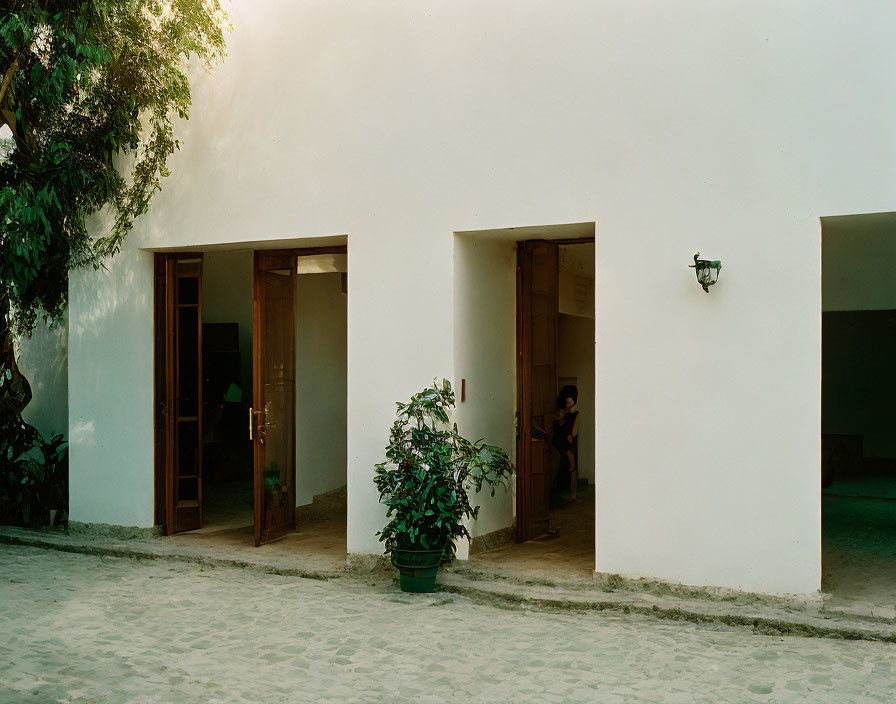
<point>321,386</point>
<point>110,343</point>
<point>43,359</point>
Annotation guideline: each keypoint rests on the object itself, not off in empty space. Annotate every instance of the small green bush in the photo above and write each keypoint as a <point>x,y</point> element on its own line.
<point>429,472</point>
<point>33,476</point>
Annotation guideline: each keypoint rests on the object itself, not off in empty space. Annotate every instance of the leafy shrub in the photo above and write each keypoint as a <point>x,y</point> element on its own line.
<point>430,470</point>
<point>33,476</point>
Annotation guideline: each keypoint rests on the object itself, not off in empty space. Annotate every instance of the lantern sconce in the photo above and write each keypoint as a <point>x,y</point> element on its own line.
<point>707,271</point>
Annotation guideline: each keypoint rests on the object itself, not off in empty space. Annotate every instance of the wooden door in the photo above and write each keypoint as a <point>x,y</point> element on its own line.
<point>537,329</point>
<point>272,420</point>
<point>178,391</point>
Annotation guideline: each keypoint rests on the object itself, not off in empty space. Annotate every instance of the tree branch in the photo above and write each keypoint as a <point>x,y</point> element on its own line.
<point>7,79</point>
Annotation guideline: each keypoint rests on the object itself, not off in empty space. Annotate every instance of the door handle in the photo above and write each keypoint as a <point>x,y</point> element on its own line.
<point>261,426</point>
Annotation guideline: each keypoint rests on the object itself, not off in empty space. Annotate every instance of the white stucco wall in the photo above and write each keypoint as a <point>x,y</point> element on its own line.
<point>110,390</point>
<point>724,127</point>
<point>321,385</point>
<point>43,359</point>
<point>485,355</point>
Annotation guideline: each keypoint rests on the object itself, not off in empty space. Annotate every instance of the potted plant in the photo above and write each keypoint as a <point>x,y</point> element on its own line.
<point>425,484</point>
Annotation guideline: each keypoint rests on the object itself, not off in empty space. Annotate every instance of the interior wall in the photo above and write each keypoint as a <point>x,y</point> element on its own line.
<point>576,294</point>
<point>576,359</point>
<point>858,261</point>
<point>321,385</point>
<point>43,359</point>
<point>485,355</point>
<point>859,330</point>
<point>858,379</point>
<point>576,279</point>
<point>227,298</point>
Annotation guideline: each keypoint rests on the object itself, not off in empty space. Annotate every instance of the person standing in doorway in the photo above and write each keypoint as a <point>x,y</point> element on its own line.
<point>565,436</point>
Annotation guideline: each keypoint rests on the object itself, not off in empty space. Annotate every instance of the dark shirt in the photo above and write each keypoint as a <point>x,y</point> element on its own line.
<point>563,429</point>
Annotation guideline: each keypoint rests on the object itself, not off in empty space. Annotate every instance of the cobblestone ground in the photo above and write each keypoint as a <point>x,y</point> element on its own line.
<point>77,628</point>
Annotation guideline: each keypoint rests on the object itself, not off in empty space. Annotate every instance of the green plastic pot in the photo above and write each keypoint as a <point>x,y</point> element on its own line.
<point>417,569</point>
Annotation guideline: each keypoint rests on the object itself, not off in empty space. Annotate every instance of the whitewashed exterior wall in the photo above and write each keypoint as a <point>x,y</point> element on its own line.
<point>43,359</point>
<point>724,127</point>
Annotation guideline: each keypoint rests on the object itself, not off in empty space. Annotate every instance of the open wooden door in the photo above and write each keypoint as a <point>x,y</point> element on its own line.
<point>537,329</point>
<point>272,422</point>
<point>178,391</point>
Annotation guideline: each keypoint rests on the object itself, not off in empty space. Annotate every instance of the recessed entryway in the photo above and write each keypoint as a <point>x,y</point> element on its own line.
<point>251,387</point>
<point>858,474</point>
<point>525,349</point>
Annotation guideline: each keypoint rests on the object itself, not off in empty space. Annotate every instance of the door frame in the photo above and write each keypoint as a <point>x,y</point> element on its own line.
<point>524,380</point>
<point>165,390</point>
<point>164,363</point>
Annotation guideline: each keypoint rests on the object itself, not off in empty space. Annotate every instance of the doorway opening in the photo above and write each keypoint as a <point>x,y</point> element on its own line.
<point>858,473</point>
<point>251,395</point>
<point>555,372</point>
<point>524,330</point>
<point>226,285</point>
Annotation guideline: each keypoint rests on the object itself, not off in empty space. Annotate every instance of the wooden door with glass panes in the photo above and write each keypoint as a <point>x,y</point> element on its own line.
<point>272,421</point>
<point>178,390</point>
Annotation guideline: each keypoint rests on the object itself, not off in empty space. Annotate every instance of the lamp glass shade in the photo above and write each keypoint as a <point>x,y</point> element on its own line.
<point>707,271</point>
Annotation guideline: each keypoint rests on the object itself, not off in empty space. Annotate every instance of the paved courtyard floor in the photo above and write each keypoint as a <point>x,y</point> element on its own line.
<point>859,553</point>
<point>82,628</point>
<point>566,553</point>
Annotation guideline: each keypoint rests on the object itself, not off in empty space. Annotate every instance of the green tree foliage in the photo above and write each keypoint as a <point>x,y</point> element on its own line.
<point>84,82</point>
<point>89,94</point>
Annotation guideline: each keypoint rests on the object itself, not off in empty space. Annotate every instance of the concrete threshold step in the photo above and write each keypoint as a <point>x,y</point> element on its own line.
<point>766,617</point>
<point>159,550</point>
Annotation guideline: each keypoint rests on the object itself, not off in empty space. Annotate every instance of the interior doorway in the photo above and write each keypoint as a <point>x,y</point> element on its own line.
<point>244,339</point>
<point>858,473</point>
<point>227,372</point>
<point>556,392</point>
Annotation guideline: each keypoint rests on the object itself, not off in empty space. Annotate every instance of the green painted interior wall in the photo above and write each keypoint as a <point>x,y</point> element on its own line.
<point>859,329</point>
<point>858,391</point>
<point>858,263</point>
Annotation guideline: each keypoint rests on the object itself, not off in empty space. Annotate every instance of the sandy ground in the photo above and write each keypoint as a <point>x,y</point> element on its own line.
<point>79,628</point>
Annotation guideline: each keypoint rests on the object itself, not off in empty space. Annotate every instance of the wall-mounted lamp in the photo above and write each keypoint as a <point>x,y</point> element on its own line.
<point>707,271</point>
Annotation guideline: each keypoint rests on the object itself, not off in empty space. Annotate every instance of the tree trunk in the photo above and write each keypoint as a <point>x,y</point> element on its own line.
<point>15,391</point>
